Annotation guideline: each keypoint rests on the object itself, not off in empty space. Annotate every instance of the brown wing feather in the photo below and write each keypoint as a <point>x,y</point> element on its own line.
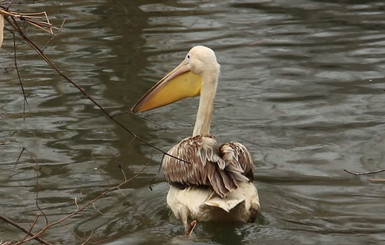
<point>205,166</point>
<point>238,160</point>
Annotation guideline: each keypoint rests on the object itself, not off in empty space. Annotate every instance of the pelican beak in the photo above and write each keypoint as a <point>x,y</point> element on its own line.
<point>180,83</point>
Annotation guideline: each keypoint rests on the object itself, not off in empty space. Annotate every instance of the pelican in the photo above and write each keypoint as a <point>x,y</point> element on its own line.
<point>208,182</point>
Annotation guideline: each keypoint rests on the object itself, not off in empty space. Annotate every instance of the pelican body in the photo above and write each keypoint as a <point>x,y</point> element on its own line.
<point>208,182</point>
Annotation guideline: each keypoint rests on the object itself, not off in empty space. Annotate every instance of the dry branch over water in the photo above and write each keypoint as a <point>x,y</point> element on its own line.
<point>16,25</point>
<point>1,29</point>
<point>365,173</point>
<point>39,20</point>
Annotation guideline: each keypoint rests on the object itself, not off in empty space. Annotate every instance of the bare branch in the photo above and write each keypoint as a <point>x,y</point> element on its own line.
<point>18,73</point>
<point>125,178</point>
<point>76,203</point>
<point>1,29</point>
<point>86,205</point>
<point>54,35</point>
<point>78,209</point>
<point>37,196</point>
<point>9,5</point>
<point>6,243</point>
<point>13,223</point>
<point>97,210</point>
<point>30,229</point>
<point>41,21</point>
<point>21,153</point>
<point>89,238</point>
<point>364,173</point>
<point>38,20</point>
<point>377,180</point>
<point>12,21</point>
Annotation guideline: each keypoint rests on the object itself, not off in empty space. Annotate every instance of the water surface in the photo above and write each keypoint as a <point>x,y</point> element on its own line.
<point>302,86</point>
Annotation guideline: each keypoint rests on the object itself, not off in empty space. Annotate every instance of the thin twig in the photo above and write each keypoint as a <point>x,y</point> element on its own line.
<point>9,5</point>
<point>76,203</point>
<point>18,74</point>
<point>13,223</point>
<point>86,205</point>
<point>39,20</point>
<point>125,178</point>
<point>121,170</point>
<point>21,153</point>
<point>31,228</point>
<point>37,196</point>
<point>118,113</point>
<point>365,173</point>
<point>377,180</point>
<point>89,238</point>
<point>54,35</point>
<point>54,67</point>
<point>97,210</point>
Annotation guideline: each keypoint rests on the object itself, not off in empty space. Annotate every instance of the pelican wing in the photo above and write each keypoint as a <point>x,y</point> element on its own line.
<point>205,166</point>
<point>238,160</point>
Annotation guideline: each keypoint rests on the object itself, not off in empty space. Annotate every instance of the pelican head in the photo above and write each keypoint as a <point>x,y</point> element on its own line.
<point>186,80</point>
<point>201,59</point>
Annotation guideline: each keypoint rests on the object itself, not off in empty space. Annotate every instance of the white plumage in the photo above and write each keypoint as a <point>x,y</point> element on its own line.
<point>212,183</point>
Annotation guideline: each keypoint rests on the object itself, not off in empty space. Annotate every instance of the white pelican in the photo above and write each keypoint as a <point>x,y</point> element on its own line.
<point>215,182</point>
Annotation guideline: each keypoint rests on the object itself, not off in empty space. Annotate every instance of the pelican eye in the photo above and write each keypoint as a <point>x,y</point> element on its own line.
<point>188,56</point>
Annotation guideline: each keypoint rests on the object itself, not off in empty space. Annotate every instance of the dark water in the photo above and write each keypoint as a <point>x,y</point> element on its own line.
<point>302,86</point>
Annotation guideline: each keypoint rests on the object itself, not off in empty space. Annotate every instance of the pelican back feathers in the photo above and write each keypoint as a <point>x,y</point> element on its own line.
<point>207,165</point>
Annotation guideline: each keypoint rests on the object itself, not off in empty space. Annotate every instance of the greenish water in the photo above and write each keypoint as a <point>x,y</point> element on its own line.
<point>302,86</point>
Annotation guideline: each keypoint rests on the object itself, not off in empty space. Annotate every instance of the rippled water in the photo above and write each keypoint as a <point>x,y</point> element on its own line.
<point>302,86</point>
